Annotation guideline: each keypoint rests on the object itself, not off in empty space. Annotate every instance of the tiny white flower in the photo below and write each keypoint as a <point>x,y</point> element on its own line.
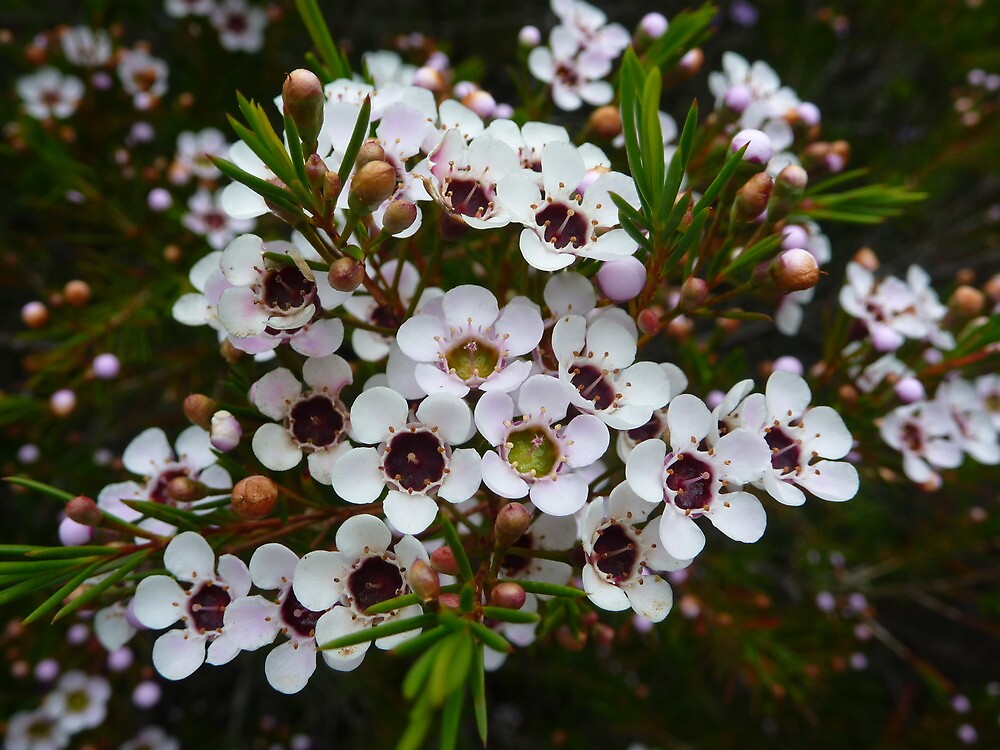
<point>35,730</point>
<point>923,432</point>
<point>206,217</point>
<point>151,738</point>
<point>86,47</point>
<point>143,76</point>
<point>79,702</point>
<point>48,93</point>
<point>240,26</point>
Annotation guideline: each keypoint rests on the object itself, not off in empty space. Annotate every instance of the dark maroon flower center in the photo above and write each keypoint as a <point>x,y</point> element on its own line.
<point>317,421</point>
<point>415,460</point>
<point>159,492</point>
<point>385,317</point>
<point>216,220</point>
<point>652,429</point>
<point>785,451</point>
<point>236,23</point>
<point>563,225</point>
<point>297,617</point>
<point>615,553</point>
<point>567,74</point>
<point>691,479</point>
<point>913,437</point>
<point>207,606</point>
<point>593,386</point>
<point>469,198</point>
<point>286,288</point>
<point>375,581</point>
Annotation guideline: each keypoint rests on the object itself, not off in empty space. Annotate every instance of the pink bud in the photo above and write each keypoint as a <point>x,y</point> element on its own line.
<point>159,200</point>
<point>794,236</point>
<point>622,280</point>
<point>77,634</point>
<point>808,113</point>
<point>909,389</point>
<point>225,431</point>
<point>503,111</point>
<point>101,81</point>
<point>35,314</point>
<point>120,660</point>
<point>654,25</point>
<point>46,670</point>
<point>481,102</point>
<point>759,150</point>
<point>738,98</point>
<point>73,534</point>
<point>28,453</point>
<point>529,36</point>
<point>438,60</point>
<point>106,366</point>
<point>790,364</point>
<point>714,398</point>
<point>146,694</point>
<point>428,78</point>
<point>463,89</point>
<point>62,402</point>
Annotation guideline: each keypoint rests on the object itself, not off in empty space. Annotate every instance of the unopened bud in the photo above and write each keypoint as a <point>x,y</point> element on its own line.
<point>653,25</point>
<point>399,216</point>
<point>254,497</point>
<point>606,122</point>
<point>694,292</point>
<point>443,561</point>
<point>63,402</point>
<point>230,353</point>
<point>77,293</point>
<point>370,151</point>
<point>225,431</point>
<point>373,183</point>
<point>508,595</point>
<point>992,287</point>
<point>331,188</point>
<point>569,640</point>
<point>423,580</point>
<point>648,321</point>
<point>965,276</point>
<point>83,510</point>
<point>752,198</point>
<point>759,150</point>
<point>622,280</point>
<point>529,36</point>
<point>604,634</point>
<point>966,302</point>
<point>186,490</point>
<point>35,314</point>
<point>199,408</point>
<point>793,235</point>
<point>909,389</point>
<point>848,394</point>
<point>303,99</point>
<point>481,102</point>
<point>512,522</point>
<point>692,61</point>
<point>346,274</point>
<point>450,601</point>
<point>737,98</point>
<point>788,189</point>
<point>429,78</point>
<point>794,270</point>
<point>680,328</point>
<point>316,172</point>
<point>280,211</point>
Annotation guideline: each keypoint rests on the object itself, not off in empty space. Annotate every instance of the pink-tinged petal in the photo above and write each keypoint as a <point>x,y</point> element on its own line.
<point>689,421</point>
<point>787,395</point>
<point>499,477</point>
<point>409,514</point>
<point>329,298</point>
<point>470,306</point>
<point>562,168</point>
<point>290,665</point>
<point>493,414</point>
<point>418,338</point>
<point>148,452</point>
<point>561,496</point>
<point>613,245</point>
<point>356,476</point>
<point>916,469</point>
<point>745,455</point>
<point>624,504</point>
<point>192,310</point>
<point>651,597</point>
<point>680,535</point>
<point>177,654</point>
<point>449,414</point>
<point>336,623</point>
<point>626,417</point>
<point>222,650</point>
<point>784,492</point>
<point>569,337</point>
<point>189,557</point>
<point>274,394</point>
<point>464,476</point>
<point>275,448</point>
<point>540,255</point>
<point>544,394</point>
<point>369,346</point>
<point>194,449</point>
<point>314,582</point>
<point>541,64</point>
<point>242,260</point>
<point>240,202</point>
<point>588,440</point>
<point>252,622</point>
<point>944,454</point>
<point>509,378</point>
<point>738,515</point>
<point>240,314</point>
<point>321,338</point>
<point>273,566</point>
<point>517,193</point>
<point>835,481</point>
<point>824,431</point>
<point>361,535</point>
<point>255,344</point>
<point>375,412</point>
<point>234,572</point>
<point>753,413</point>
<point>112,628</point>
<point>159,602</point>
<point>328,374</point>
<point>644,470</point>
<point>431,379</point>
<point>521,324</point>
<point>655,557</point>
<point>603,594</point>
<point>321,463</point>
<point>570,293</point>
<point>204,268</point>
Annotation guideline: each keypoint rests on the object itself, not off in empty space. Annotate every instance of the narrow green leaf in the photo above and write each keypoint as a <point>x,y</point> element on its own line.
<point>45,489</point>
<point>451,718</point>
<point>65,590</point>
<point>128,564</point>
<point>477,686</point>
<point>419,726</point>
<point>549,589</point>
<point>451,667</point>
<point>391,605</point>
<point>19,549</point>
<point>319,32</point>
<point>295,150</point>
<point>688,29</point>
<point>417,675</point>
<point>58,553</point>
<point>753,255</point>
<point>453,541</point>
<point>278,196</point>
<point>357,139</point>
<point>40,581</point>
<point>173,516</point>
<point>632,79</point>
<point>423,641</point>
<point>30,567</point>
<point>490,638</point>
<point>651,136</point>
<point>379,631</point>
<point>731,165</point>
<point>687,241</point>
<point>635,233</point>
<point>503,614</point>
<point>688,132</point>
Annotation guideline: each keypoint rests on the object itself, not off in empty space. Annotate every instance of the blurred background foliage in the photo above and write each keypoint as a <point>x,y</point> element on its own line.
<point>747,657</point>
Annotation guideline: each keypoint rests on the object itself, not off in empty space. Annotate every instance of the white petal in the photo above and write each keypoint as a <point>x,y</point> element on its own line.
<point>241,260</point>
<point>830,480</point>
<point>189,557</point>
<point>544,394</point>
<point>509,378</point>
<point>361,535</point>
<point>376,411</point>
<point>272,566</point>
<point>177,655</point>
<point>787,395</point>
<point>336,623</point>
<point>569,337</point>
<point>499,477</point>
<point>234,574</point>
<point>603,594</point>
<point>569,293</point>
<point>824,431</point>
<point>289,666</point>
<point>148,452</point>
<point>321,463</point>
<point>540,255</point>
<point>493,413</point>
<point>320,339</point>
<point>644,470</point>
<point>274,393</point>
<point>680,535</point>
<point>689,421</point>
<point>194,448</point>
<point>418,337</point>
<point>464,477</point>
<point>738,515</point>
<point>240,314</point>
<point>651,597</point>
<point>448,413</point>
<point>252,622</point>
<point>588,438</point>
<point>275,448</point>
<point>159,602</point>
<point>469,306</point>
<point>356,476</point>
<point>329,374</point>
<point>432,379</point>
<point>784,492</point>
<point>522,326</point>
<point>112,627</point>
<point>562,168</point>
<point>410,514</point>
<point>314,579</point>
<point>561,496</point>
<point>605,338</point>
<point>391,641</point>
<point>744,455</point>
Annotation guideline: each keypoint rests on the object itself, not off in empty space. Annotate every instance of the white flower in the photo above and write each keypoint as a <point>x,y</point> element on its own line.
<point>763,101</point>
<point>35,730</point>
<point>689,479</point>
<point>86,47</point>
<point>535,455</point>
<point>463,340</point>
<point>48,93</point>
<point>923,432</point>
<point>888,309</point>
<point>801,440</point>
<point>988,389</point>
<point>193,150</point>
<point>564,223</point>
<point>160,602</point>
<point>528,140</point>
<point>656,426</point>
<point>619,556</point>
<point>313,422</point>
<point>143,76</point>
<point>206,217</point>
<point>574,74</point>
<point>972,427</point>
<point>151,738</point>
<point>414,458</point>
<point>181,8</point>
<point>361,573</point>
<point>240,26</point>
<point>591,28</point>
<point>386,67</point>
<point>78,702</point>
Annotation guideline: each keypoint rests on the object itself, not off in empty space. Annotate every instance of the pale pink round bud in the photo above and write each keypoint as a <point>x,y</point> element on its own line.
<point>884,339</point>
<point>159,200</point>
<point>738,98</point>
<point>141,132</point>
<point>503,111</point>
<point>463,88</point>
<point>788,363</point>
<point>622,280</point>
<point>909,389</point>
<point>438,60</point>
<point>35,314</point>
<point>28,453</point>
<point>62,402</point>
<point>714,398</point>
<point>428,78</point>
<point>46,670</point>
<point>529,36</point>
<point>146,694</point>
<point>793,236</point>
<point>795,270</point>
<point>653,25</point>
<point>808,113</point>
<point>225,432</point>
<point>77,634</point>
<point>759,151</point>
<point>424,581</point>
<point>120,660</point>
<point>694,292</point>
<point>73,534</point>
<point>508,595</point>
<point>83,509</point>
<point>481,102</point>
<point>692,61</point>
<point>101,81</point>
<point>106,366</point>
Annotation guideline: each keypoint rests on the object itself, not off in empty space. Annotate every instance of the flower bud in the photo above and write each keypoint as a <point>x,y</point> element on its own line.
<point>83,510</point>
<point>653,25</point>
<point>481,102</point>
<point>443,561</point>
<point>73,534</point>
<point>77,293</point>
<point>752,198</point>
<point>423,580</point>
<point>35,314</point>
<point>788,189</point>
<point>428,78</point>
<point>760,149</point>
<point>105,366</point>
<point>992,287</point>
<point>186,490</point>
<point>62,402</point>
<point>966,302</point>
<point>399,216</point>
<point>648,321</point>
<point>331,188</point>
<point>622,280</point>
<point>909,389</point>
<point>303,99</point>
<point>794,270</point>
<point>694,292</point>
<point>738,98</point>
<point>450,601</point>
<point>867,259</point>
<point>199,408</point>
<point>788,363</point>
<point>512,522</point>
<point>346,274</point>
<point>529,36</point>
<point>569,640</point>
<point>254,497</point>
<point>225,431</point>
<point>606,122</point>
<point>508,595</point>
<point>316,172</point>
<point>369,151</point>
<point>793,235</point>
<point>692,61</point>
<point>373,183</point>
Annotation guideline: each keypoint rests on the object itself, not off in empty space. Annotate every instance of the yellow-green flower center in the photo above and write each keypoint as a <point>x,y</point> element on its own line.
<point>532,451</point>
<point>473,359</point>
